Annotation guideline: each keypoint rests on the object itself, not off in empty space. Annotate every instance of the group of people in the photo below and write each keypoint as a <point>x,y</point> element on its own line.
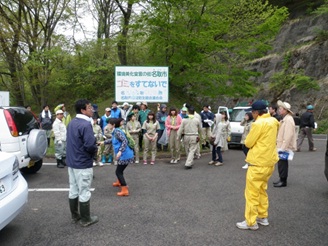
<point>55,127</point>
<point>269,138</point>
<point>159,131</point>
<point>82,145</point>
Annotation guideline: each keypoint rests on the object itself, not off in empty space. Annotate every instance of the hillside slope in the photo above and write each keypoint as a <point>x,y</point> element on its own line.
<point>302,44</point>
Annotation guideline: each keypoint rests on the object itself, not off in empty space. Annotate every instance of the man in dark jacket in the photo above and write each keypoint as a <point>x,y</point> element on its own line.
<point>207,121</point>
<point>306,127</point>
<point>273,108</point>
<point>45,119</point>
<point>81,148</point>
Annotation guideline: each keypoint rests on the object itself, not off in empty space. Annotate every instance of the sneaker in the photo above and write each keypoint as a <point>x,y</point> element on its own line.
<point>314,149</point>
<point>152,163</point>
<point>176,161</point>
<point>245,166</point>
<point>218,164</point>
<point>172,161</point>
<point>100,164</point>
<point>211,162</point>
<point>243,225</point>
<point>145,162</point>
<point>262,221</point>
<point>136,162</point>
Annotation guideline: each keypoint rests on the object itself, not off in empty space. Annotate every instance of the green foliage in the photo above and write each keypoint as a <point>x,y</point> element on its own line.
<point>286,60</point>
<point>322,35</point>
<point>323,9</point>
<point>207,43</point>
<point>87,74</point>
<point>322,127</point>
<point>282,81</point>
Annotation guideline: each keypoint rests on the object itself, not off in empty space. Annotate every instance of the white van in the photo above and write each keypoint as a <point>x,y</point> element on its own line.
<point>235,115</point>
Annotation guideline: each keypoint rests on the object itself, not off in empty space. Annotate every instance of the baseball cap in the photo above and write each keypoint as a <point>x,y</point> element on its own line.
<point>107,109</point>
<point>259,105</point>
<point>59,111</point>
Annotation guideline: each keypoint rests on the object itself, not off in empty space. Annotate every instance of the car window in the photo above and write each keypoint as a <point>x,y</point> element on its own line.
<point>24,120</point>
<point>237,115</point>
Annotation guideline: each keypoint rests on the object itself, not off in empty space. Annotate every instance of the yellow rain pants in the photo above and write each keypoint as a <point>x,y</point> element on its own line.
<point>257,201</point>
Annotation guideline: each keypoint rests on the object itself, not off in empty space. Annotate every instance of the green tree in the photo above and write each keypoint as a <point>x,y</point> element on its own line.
<point>27,38</point>
<point>207,43</point>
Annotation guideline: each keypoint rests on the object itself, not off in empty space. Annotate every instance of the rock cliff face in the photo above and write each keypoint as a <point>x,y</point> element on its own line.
<point>305,42</point>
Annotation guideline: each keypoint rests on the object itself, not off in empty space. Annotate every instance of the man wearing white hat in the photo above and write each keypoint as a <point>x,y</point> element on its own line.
<point>103,119</point>
<point>59,130</point>
<point>286,141</point>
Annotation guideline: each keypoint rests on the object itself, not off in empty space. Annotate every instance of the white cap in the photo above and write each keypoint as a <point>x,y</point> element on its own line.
<point>59,111</point>
<point>125,104</point>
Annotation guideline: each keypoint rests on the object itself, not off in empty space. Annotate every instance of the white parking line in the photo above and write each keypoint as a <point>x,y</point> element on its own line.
<point>54,189</point>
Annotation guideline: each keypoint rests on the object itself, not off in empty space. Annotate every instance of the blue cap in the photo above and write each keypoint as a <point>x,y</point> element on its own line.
<point>259,105</point>
<point>309,107</point>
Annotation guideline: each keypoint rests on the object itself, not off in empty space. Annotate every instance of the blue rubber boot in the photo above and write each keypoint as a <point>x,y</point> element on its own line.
<point>110,159</point>
<point>103,159</point>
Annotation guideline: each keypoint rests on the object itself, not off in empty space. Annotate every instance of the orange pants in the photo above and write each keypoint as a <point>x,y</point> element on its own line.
<point>257,201</point>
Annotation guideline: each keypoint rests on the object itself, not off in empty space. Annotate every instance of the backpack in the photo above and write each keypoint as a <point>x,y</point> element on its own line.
<point>131,142</point>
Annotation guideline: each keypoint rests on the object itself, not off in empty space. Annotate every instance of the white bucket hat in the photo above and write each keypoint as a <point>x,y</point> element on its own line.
<point>285,105</point>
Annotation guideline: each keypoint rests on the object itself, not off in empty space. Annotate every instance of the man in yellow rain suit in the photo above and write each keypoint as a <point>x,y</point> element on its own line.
<point>262,157</point>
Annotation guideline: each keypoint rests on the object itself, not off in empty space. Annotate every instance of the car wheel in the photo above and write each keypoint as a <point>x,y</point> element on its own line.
<point>37,144</point>
<point>33,167</point>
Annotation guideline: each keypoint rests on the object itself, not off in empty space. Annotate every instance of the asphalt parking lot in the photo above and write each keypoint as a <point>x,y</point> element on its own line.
<point>169,205</point>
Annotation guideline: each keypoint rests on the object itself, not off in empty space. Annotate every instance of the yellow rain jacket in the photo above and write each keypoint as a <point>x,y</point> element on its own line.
<point>261,142</point>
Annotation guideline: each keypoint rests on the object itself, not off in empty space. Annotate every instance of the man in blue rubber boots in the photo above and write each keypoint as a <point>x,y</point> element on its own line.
<point>262,156</point>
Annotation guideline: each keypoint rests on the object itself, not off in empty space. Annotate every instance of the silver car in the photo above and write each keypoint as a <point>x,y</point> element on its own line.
<point>13,189</point>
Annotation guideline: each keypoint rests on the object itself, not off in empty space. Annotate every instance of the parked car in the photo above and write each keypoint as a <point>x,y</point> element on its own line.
<point>22,136</point>
<point>326,160</point>
<point>13,189</point>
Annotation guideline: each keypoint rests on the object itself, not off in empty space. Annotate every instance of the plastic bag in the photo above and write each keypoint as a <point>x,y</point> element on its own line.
<point>164,138</point>
<point>285,155</point>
